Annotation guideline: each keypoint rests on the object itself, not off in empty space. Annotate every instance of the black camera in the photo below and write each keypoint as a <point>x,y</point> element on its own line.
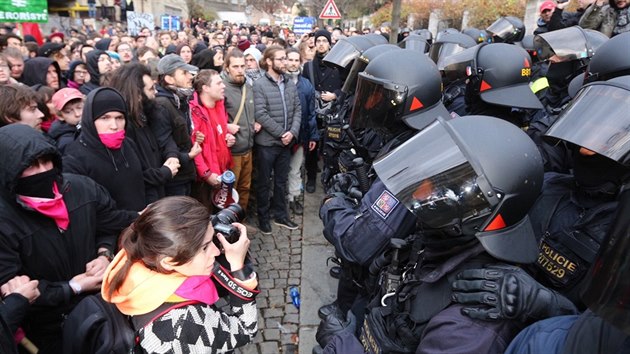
<point>222,223</point>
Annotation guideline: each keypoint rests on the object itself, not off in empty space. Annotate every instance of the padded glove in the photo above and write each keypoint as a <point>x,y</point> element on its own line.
<point>503,292</point>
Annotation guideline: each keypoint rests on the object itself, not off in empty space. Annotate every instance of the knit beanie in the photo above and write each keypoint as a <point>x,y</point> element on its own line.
<point>323,33</point>
<point>107,100</point>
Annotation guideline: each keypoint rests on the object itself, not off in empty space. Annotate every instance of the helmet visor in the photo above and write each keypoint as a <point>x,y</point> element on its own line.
<point>441,51</point>
<point>415,42</point>
<point>342,54</point>
<point>502,28</point>
<point>454,66</point>
<point>351,80</point>
<point>430,175</point>
<point>597,120</point>
<point>569,44</point>
<point>376,101</point>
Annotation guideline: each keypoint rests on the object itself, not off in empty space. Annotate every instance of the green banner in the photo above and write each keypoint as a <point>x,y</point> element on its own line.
<point>23,11</point>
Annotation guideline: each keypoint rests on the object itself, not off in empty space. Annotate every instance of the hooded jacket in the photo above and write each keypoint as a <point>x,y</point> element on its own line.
<point>36,69</point>
<point>92,67</point>
<point>233,94</point>
<point>601,18</point>
<point>32,245</point>
<point>70,73</point>
<point>119,171</point>
<point>63,134</point>
<point>205,60</point>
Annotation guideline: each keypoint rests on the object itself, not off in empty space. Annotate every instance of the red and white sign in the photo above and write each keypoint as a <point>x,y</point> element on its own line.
<point>330,11</point>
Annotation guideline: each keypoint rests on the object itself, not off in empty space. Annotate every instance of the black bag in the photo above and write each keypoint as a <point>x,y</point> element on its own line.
<point>97,326</point>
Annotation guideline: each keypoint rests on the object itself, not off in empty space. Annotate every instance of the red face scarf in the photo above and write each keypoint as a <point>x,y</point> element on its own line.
<point>200,288</point>
<point>54,208</point>
<point>113,140</point>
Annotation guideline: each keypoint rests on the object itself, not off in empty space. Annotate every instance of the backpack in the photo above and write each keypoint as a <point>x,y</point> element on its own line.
<point>97,326</point>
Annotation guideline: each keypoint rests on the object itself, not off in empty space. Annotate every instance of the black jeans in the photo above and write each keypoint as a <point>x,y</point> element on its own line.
<point>272,159</point>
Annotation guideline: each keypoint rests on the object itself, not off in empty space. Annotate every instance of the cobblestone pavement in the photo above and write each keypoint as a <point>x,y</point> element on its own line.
<point>279,264</point>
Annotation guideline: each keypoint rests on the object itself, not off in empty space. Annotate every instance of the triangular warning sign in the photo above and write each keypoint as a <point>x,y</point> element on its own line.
<point>330,11</point>
<point>415,104</point>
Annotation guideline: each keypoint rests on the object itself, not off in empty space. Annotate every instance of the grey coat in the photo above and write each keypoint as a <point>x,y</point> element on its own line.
<point>233,94</point>
<point>270,110</point>
<point>600,18</point>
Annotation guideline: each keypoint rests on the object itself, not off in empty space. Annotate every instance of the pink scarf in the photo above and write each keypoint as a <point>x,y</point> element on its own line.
<point>54,208</point>
<point>200,288</point>
<point>113,140</point>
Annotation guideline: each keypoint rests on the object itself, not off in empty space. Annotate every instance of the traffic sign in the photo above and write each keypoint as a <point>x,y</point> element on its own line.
<point>330,11</point>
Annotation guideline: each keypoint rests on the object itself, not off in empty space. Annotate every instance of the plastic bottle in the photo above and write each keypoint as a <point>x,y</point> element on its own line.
<point>295,296</point>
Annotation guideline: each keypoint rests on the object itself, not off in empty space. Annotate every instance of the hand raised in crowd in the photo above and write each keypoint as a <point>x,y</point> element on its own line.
<point>230,139</point>
<point>22,285</point>
<point>195,150</point>
<point>286,138</point>
<point>257,127</point>
<point>563,5</point>
<point>173,164</point>
<point>233,128</point>
<point>199,137</point>
<point>236,252</point>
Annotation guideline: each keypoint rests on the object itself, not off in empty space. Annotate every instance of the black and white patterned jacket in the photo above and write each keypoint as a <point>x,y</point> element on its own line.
<point>201,328</point>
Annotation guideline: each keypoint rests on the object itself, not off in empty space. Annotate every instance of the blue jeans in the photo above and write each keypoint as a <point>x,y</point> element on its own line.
<point>272,159</point>
<point>92,10</point>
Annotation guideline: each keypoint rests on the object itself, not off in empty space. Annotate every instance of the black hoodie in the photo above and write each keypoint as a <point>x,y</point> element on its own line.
<point>92,67</point>
<point>36,69</point>
<point>32,245</point>
<point>119,171</point>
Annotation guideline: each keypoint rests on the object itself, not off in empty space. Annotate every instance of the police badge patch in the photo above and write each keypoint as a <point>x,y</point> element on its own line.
<point>385,203</point>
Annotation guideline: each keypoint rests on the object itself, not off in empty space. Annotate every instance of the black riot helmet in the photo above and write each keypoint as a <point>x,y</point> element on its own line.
<point>401,86</point>
<point>571,43</point>
<point>425,33</point>
<point>478,173</point>
<point>528,44</point>
<point>607,284</point>
<point>479,36</point>
<point>499,73</point>
<point>362,61</point>
<point>347,49</point>
<point>415,42</point>
<point>508,29</point>
<point>610,61</point>
<point>598,120</point>
<point>448,45</point>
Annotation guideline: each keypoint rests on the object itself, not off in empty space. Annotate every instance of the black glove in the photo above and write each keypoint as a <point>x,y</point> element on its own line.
<point>346,183</point>
<point>333,325</point>
<point>500,292</point>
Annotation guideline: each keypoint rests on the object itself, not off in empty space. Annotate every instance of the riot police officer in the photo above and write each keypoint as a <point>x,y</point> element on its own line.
<point>573,212</point>
<point>508,29</point>
<point>497,81</point>
<point>397,103</point>
<point>470,182</point>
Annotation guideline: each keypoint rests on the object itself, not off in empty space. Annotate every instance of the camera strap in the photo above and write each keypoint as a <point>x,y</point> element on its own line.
<point>223,277</point>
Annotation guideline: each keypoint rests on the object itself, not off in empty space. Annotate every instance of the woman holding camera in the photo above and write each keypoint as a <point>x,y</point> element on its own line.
<point>165,276</point>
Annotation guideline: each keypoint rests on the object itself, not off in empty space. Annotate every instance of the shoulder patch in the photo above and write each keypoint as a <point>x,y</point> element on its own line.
<point>385,203</point>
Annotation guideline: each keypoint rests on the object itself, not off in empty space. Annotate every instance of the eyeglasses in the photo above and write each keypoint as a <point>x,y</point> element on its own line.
<point>80,72</point>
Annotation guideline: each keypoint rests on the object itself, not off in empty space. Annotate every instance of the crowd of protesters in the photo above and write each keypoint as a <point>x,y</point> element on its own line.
<point>98,126</point>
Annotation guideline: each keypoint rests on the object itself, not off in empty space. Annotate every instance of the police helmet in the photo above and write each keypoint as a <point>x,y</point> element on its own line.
<point>362,61</point>
<point>499,73</point>
<point>597,119</point>
<point>400,86</point>
<point>425,33</point>
<point>479,36</point>
<point>415,42</point>
<point>445,32</point>
<point>508,29</point>
<point>478,174</point>
<point>448,45</point>
<point>571,43</point>
<point>347,49</point>
<point>610,61</point>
